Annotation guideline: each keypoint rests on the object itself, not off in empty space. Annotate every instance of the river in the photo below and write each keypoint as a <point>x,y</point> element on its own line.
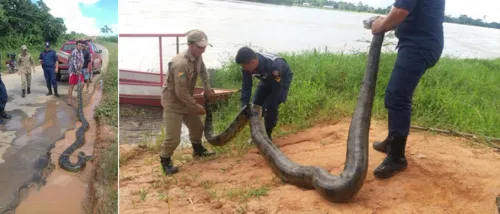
<point>233,24</point>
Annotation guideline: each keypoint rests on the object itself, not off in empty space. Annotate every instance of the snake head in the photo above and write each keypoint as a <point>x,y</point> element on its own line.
<point>367,23</point>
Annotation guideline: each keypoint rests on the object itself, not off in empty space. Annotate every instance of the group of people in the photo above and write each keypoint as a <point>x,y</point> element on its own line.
<point>78,67</point>
<point>419,27</point>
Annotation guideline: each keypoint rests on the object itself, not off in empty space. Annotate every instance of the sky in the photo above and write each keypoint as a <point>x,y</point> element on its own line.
<point>86,16</point>
<point>455,7</point>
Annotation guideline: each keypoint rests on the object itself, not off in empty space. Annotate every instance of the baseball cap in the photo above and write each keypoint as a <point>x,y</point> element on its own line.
<point>199,37</point>
<point>47,44</point>
<point>23,47</point>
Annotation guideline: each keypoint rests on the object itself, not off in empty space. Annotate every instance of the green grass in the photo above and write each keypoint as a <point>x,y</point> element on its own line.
<point>457,94</point>
<point>107,112</point>
<point>108,108</point>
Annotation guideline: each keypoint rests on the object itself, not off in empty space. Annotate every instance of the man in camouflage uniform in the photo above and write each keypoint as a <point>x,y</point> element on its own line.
<point>178,102</point>
<point>26,66</point>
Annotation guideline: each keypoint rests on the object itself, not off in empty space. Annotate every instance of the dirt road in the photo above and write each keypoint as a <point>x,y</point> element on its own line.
<point>445,175</point>
<point>38,122</point>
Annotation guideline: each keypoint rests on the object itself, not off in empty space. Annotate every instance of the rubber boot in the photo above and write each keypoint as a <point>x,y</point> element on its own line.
<point>55,92</point>
<point>269,132</point>
<point>29,90</point>
<point>395,160</point>
<point>50,91</point>
<point>382,146</point>
<point>200,151</point>
<point>167,166</point>
<point>24,93</point>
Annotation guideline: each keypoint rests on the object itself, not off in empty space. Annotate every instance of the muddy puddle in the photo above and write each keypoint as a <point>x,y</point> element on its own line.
<point>65,191</point>
<point>144,124</point>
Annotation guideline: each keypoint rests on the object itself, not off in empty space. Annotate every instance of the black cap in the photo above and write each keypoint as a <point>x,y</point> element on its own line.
<point>47,44</point>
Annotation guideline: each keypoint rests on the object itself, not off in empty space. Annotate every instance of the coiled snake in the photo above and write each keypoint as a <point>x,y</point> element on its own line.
<point>64,161</point>
<point>333,188</point>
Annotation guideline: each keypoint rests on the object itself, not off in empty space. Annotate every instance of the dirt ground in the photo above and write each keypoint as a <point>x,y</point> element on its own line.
<point>445,175</point>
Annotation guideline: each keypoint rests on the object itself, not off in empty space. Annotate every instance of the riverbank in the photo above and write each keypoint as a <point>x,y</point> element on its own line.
<point>103,190</point>
<point>456,94</point>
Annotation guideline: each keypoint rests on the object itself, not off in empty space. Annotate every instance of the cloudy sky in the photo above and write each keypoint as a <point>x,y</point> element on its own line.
<point>455,7</point>
<point>85,16</point>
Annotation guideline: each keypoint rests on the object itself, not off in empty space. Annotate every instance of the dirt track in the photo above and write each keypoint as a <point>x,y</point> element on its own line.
<point>445,175</point>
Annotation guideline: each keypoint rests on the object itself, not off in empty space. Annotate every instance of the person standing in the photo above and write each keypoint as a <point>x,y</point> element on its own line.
<point>419,29</point>
<point>26,66</point>
<point>3,101</point>
<point>50,64</point>
<point>86,69</point>
<point>75,69</point>
<point>178,102</point>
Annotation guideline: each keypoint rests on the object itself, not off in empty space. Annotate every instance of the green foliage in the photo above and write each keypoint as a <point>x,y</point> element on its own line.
<point>108,108</point>
<point>24,22</point>
<point>360,7</point>
<point>457,94</point>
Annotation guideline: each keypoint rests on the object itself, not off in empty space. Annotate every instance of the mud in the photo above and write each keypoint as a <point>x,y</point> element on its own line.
<point>39,124</point>
<point>64,191</point>
<point>144,124</point>
<point>445,175</point>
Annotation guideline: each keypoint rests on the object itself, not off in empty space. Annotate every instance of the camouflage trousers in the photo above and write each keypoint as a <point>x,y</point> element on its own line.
<point>25,80</point>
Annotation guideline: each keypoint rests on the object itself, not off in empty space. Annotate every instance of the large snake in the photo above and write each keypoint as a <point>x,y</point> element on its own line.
<point>64,161</point>
<point>333,188</point>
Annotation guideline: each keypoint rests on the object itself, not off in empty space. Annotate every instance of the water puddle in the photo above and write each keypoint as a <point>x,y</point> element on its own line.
<point>65,191</point>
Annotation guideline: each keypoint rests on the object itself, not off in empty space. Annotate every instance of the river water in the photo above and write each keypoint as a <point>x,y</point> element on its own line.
<point>233,24</point>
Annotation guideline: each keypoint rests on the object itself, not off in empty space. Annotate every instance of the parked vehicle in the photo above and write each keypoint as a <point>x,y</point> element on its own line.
<point>65,53</point>
<point>10,63</point>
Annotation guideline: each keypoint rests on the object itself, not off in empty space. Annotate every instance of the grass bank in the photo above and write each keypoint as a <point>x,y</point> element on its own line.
<point>456,94</point>
<point>105,193</point>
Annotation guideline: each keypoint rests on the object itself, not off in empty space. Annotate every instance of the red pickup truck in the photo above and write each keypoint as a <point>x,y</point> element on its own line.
<point>65,53</point>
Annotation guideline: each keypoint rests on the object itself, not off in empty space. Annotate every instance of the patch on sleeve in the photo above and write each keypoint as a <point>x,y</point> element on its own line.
<point>276,76</point>
<point>181,74</point>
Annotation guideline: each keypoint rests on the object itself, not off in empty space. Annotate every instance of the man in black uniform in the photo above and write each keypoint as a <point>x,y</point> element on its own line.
<point>3,100</point>
<point>419,28</point>
<point>275,78</point>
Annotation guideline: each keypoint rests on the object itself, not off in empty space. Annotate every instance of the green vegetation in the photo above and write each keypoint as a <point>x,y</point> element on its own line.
<point>360,7</point>
<point>108,108</point>
<point>107,112</point>
<point>457,94</point>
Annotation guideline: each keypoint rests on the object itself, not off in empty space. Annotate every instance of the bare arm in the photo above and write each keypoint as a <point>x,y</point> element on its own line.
<point>398,13</point>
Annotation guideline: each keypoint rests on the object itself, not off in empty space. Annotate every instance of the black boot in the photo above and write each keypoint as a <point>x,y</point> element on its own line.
<point>269,132</point>
<point>200,151</point>
<point>382,146</point>
<point>4,115</point>
<point>167,166</point>
<point>29,90</point>
<point>24,93</point>
<point>50,91</point>
<point>395,160</point>
<point>55,92</point>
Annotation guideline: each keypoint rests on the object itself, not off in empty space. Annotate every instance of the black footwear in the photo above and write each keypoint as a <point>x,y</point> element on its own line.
<point>55,92</point>
<point>50,91</point>
<point>200,151</point>
<point>24,93</point>
<point>167,166</point>
<point>395,160</point>
<point>269,132</point>
<point>29,90</point>
<point>382,146</point>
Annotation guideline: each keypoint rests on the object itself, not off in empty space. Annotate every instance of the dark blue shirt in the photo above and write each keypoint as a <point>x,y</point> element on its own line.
<point>267,64</point>
<point>423,27</point>
<point>86,58</point>
<point>49,59</point>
